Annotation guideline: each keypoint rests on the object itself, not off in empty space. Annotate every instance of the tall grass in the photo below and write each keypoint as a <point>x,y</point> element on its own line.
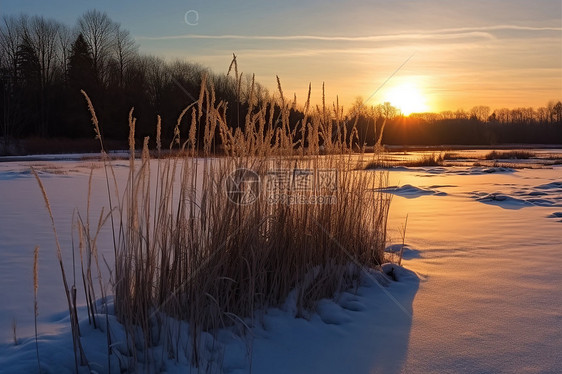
<point>184,249</point>
<point>35,305</point>
<point>518,155</point>
<point>426,160</point>
<point>14,331</point>
<point>379,162</point>
<point>70,292</point>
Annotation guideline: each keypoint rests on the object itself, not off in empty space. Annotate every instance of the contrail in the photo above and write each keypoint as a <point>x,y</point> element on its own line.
<point>389,77</point>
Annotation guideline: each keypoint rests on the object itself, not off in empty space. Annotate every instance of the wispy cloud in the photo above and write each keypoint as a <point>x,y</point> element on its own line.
<point>370,38</point>
<point>310,52</point>
<point>451,33</point>
<point>499,27</point>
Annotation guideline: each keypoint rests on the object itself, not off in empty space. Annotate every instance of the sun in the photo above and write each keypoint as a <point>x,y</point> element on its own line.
<point>407,97</point>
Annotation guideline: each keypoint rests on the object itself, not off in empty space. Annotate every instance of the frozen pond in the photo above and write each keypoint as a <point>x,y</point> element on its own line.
<point>486,243</point>
<point>490,259</point>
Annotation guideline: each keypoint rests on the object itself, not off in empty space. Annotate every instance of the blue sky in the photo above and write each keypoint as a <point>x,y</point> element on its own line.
<point>502,53</point>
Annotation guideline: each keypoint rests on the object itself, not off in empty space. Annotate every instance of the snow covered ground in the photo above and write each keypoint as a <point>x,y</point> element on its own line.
<point>490,268</point>
<point>482,295</point>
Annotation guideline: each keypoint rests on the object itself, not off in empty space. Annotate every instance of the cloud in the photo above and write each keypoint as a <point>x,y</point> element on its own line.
<point>501,27</point>
<point>371,38</point>
<point>440,34</point>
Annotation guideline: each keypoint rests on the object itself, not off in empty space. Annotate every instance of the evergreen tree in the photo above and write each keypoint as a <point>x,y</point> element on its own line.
<point>81,65</point>
<point>81,76</point>
<point>27,88</point>
<point>28,66</point>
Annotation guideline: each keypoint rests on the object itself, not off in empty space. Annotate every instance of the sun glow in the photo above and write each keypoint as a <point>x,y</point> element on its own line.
<point>407,97</point>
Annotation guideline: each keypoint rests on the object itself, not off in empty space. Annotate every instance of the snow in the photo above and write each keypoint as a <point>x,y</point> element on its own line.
<point>481,293</point>
<point>411,192</point>
<point>490,297</point>
<point>356,334</point>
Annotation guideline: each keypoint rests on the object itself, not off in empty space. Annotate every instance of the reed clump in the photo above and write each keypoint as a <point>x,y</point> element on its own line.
<point>189,248</point>
<point>426,160</point>
<point>509,155</point>
<point>380,162</point>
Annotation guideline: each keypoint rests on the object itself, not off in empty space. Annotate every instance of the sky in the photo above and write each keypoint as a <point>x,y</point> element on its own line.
<point>421,55</point>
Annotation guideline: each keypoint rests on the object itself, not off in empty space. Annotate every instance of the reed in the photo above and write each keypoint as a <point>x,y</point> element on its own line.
<point>14,331</point>
<point>35,305</point>
<point>188,249</point>
<point>517,155</point>
<point>426,160</point>
<point>79,355</point>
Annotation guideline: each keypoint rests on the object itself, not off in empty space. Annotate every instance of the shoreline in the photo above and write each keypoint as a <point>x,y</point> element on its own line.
<point>119,154</point>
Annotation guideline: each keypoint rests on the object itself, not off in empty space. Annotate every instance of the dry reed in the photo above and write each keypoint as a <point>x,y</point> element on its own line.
<point>14,331</point>
<point>184,249</point>
<point>35,305</point>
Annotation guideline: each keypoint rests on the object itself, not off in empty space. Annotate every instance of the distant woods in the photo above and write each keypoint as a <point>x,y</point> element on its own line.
<point>479,126</point>
<point>44,64</point>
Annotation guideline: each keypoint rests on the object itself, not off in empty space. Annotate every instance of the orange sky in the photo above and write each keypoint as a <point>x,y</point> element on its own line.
<point>459,55</point>
<point>500,53</point>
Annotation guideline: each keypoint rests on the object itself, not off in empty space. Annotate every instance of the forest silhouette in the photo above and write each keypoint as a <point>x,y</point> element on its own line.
<point>44,64</point>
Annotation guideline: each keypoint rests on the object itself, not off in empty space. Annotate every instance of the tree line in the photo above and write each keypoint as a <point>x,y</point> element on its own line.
<point>44,64</point>
<point>479,126</point>
<point>551,113</point>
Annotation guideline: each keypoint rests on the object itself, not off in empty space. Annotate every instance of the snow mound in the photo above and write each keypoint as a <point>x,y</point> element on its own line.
<point>503,201</point>
<point>407,253</point>
<point>544,195</point>
<point>551,186</point>
<point>479,170</point>
<point>555,215</point>
<point>332,313</point>
<point>350,333</point>
<point>435,170</point>
<point>351,302</point>
<point>410,192</point>
<point>398,273</point>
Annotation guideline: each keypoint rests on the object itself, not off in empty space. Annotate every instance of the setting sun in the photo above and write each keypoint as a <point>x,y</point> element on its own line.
<point>407,97</point>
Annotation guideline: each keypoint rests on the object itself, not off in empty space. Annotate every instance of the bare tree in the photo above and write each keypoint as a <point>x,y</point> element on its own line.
<point>461,114</point>
<point>529,115</point>
<point>387,110</point>
<point>11,36</point>
<point>503,115</point>
<point>99,32</point>
<point>481,113</point>
<point>517,115</point>
<point>42,35</point>
<point>558,111</point>
<point>125,49</point>
<point>157,78</point>
<point>66,36</point>
<point>542,115</point>
<point>551,111</point>
<point>358,108</point>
